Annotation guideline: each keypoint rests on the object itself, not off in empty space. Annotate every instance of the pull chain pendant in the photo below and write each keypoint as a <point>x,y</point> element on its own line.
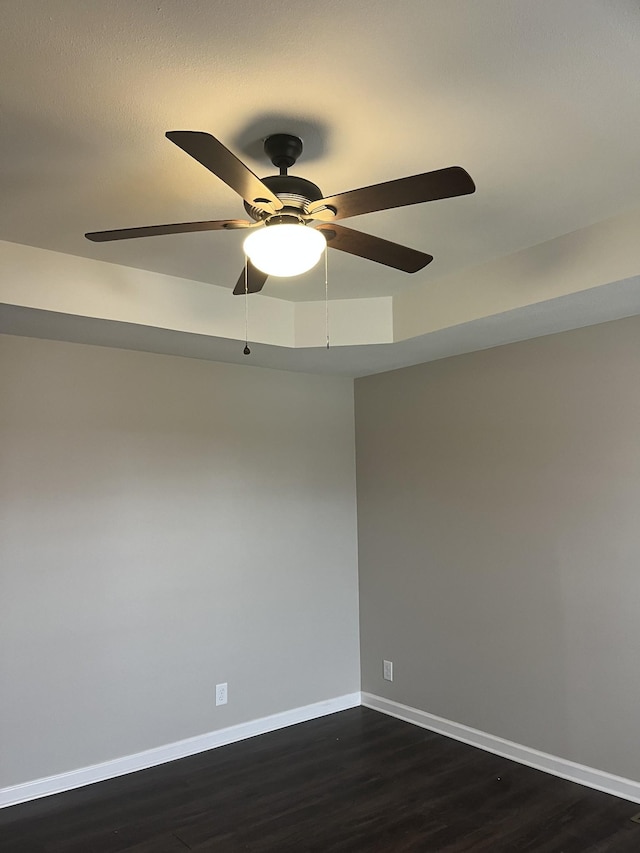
<point>326,294</point>
<point>246,349</point>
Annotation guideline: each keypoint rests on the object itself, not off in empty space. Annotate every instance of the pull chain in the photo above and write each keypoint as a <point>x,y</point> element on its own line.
<point>246,349</point>
<point>326,294</point>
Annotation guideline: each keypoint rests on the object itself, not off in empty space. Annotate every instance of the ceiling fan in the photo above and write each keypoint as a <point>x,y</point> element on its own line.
<point>292,219</point>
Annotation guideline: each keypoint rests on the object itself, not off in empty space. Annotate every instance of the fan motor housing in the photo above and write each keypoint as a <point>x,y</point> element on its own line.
<point>295,193</point>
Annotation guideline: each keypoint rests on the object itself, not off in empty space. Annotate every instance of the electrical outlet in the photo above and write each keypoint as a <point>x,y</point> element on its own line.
<point>387,670</point>
<point>221,694</point>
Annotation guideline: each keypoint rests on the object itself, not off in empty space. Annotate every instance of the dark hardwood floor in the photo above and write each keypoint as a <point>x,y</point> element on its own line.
<point>354,781</point>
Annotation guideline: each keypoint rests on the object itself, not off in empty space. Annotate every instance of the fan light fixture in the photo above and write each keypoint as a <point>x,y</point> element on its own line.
<point>285,249</point>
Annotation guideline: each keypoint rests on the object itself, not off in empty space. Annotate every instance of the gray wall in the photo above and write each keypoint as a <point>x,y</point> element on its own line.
<point>166,524</point>
<point>499,541</point>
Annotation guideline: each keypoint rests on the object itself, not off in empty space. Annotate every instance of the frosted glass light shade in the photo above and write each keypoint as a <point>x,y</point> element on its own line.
<point>285,250</point>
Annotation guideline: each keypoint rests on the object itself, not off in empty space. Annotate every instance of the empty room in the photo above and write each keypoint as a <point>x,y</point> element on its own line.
<point>319,426</point>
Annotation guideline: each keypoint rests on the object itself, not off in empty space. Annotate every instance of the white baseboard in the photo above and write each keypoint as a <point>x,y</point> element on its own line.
<point>627,789</point>
<point>15,794</point>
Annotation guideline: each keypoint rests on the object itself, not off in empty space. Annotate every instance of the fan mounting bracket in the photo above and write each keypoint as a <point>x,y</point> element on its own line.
<point>283,149</point>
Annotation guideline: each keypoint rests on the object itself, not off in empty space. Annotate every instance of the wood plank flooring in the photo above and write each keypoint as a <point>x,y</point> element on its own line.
<point>353,781</point>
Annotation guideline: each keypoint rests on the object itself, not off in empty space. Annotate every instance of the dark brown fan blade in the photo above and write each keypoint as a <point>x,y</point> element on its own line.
<point>255,281</point>
<point>176,228</point>
<point>214,156</point>
<point>374,248</point>
<point>443,183</point>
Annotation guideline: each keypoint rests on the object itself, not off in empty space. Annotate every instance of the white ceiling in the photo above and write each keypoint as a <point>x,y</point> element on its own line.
<point>537,100</point>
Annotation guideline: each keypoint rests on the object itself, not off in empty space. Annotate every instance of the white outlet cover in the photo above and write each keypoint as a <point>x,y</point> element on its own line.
<point>387,670</point>
<point>221,694</point>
